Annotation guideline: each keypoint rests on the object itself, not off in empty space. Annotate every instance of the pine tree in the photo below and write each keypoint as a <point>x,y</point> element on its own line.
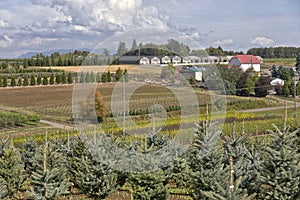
<point>87,77</point>
<point>3,189</point>
<point>70,78</point>
<point>58,78</point>
<point>19,81</point>
<point>104,77</point>
<point>119,74</point>
<point>5,81</point>
<point>81,77</point>
<point>48,179</point>
<point>206,161</point>
<point>39,79</point>
<point>108,76</point>
<point>125,74</point>
<point>63,78</point>
<point>1,82</point>
<point>98,77</point>
<point>13,81</point>
<point>45,80</point>
<point>90,173</point>
<point>92,77</point>
<point>11,168</point>
<point>26,81</point>
<point>32,79</point>
<point>28,153</point>
<point>149,186</point>
<point>280,171</point>
<point>52,79</point>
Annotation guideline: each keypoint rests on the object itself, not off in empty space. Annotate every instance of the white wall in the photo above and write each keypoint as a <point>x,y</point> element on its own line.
<point>256,67</point>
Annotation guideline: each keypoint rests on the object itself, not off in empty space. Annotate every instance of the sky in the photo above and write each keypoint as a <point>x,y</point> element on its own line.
<point>46,25</point>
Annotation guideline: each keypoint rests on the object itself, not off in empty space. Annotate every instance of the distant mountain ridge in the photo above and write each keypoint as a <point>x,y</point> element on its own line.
<point>48,53</point>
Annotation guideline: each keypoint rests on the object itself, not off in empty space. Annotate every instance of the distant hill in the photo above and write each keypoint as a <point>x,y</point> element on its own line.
<point>48,53</point>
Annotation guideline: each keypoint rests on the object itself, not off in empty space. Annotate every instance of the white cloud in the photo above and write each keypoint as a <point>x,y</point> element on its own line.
<point>262,41</point>
<point>5,41</point>
<point>225,42</point>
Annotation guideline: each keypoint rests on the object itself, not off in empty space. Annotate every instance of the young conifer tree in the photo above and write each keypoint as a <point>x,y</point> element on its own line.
<point>5,81</point>
<point>32,79</point>
<point>49,175</point>
<point>26,81</point>
<point>52,79</point>
<point>11,168</point>
<point>13,81</point>
<point>280,170</point>
<point>39,79</point>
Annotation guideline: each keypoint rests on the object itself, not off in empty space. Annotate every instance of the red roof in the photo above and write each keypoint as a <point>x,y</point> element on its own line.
<point>247,59</point>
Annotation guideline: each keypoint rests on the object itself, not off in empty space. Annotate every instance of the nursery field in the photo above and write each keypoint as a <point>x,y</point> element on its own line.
<point>54,103</point>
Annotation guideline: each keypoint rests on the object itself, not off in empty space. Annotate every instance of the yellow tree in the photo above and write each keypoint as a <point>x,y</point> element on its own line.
<point>100,106</point>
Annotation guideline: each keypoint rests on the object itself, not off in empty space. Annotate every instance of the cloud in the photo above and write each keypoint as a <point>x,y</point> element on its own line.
<point>5,41</point>
<point>225,42</point>
<point>262,41</point>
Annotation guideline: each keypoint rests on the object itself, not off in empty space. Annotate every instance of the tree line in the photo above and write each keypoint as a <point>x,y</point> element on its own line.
<point>275,52</point>
<point>228,168</point>
<point>40,78</point>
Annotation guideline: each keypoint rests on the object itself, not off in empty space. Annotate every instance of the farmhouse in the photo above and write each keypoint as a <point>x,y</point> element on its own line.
<point>245,62</point>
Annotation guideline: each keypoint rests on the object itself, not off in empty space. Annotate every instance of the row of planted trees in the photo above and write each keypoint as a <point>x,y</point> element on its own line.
<point>228,168</point>
<point>59,78</point>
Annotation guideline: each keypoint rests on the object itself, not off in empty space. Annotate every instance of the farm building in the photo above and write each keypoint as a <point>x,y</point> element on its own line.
<point>166,60</point>
<point>186,60</point>
<point>176,60</point>
<point>129,59</point>
<point>195,72</point>
<point>144,61</point>
<point>245,62</point>
<point>155,61</point>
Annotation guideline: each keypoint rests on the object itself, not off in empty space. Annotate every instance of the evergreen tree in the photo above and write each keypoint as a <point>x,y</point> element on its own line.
<point>90,174</point>
<point>92,77</point>
<point>52,79</point>
<point>76,78</point>
<point>49,175</point>
<point>45,80</point>
<point>1,82</point>
<point>58,78</point>
<point>39,79</point>
<point>134,45</point>
<point>70,78</point>
<point>5,81</point>
<point>13,81</point>
<point>28,153</point>
<point>298,89</point>
<point>63,78</point>
<point>108,75</point>
<point>26,81</point>
<point>81,77</point>
<point>3,189</point>
<point>285,89</point>
<point>149,186</point>
<point>126,75</point>
<point>104,77</point>
<point>11,168</point>
<point>32,79</point>
<point>87,77</point>
<point>119,74</point>
<point>206,161</point>
<point>98,77</point>
<point>121,49</point>
<point>280,171</point>
<point>19,81</point>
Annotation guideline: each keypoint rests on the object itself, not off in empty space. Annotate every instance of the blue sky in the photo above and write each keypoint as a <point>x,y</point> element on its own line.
<point>43,25</point>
